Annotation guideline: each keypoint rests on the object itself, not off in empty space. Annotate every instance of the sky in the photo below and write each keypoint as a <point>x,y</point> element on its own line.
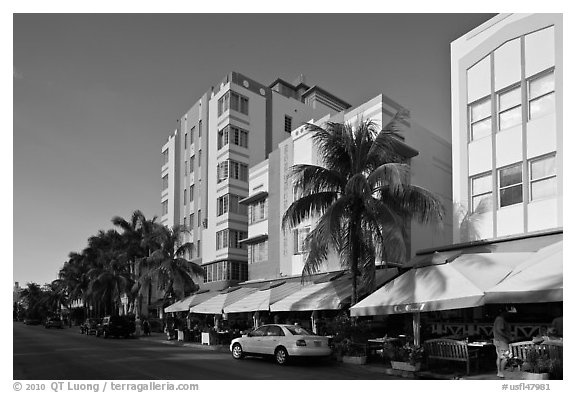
<point>95,97</point>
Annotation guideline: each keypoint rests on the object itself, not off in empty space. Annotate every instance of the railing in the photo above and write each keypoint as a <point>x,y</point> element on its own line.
<point>485,329</point>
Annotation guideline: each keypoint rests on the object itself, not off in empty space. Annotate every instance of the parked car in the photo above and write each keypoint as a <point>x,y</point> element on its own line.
<point>280,341</point>
<point>32,321</point>
<point>89,326</point>
<point>117,326</point>
<point>53,322</point>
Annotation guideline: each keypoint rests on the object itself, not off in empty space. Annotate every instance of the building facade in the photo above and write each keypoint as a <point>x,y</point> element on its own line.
<point>507,127</point>
<point>232,127</point>
<point>274,252</point>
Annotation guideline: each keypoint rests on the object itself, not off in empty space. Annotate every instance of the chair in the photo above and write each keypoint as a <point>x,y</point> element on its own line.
<point>554,348</point>
<point>520,349</point>
<point>453,350</point>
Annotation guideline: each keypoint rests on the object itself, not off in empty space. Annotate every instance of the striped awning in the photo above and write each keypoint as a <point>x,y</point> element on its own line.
<point>331,295</point>
<point>216,304</point>
<point>262,299</point>
<point>191,301</point>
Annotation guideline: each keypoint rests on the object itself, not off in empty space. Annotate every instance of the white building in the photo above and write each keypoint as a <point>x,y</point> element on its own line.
<point>507,126</point>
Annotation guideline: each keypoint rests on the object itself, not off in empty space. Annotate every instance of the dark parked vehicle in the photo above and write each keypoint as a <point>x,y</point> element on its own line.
<point>53,322</point>
<point>32,321</point>
<point>89,326</point>
<point>117,326</point>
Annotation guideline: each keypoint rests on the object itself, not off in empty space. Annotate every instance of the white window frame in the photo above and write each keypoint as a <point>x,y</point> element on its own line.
<point>544,178</point>
<point>500,188</point>
<point>536,98</point>
<point>471,122</point>
<point>508,109</point>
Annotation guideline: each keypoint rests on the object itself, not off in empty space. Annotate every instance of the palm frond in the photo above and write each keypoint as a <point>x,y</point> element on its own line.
<point>306,206</point>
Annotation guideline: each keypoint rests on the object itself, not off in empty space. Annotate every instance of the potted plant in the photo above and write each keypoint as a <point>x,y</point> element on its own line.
<point>351,352</point>
<point>536,365</point>
<point>408,358</point>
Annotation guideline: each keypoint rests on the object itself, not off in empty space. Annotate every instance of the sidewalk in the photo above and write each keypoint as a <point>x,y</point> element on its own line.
<point>372,367</point>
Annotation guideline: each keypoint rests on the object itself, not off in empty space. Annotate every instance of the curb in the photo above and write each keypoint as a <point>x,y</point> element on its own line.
<point>214,348</point>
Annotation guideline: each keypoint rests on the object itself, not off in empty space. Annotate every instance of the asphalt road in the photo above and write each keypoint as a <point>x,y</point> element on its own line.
<point>65,354</point>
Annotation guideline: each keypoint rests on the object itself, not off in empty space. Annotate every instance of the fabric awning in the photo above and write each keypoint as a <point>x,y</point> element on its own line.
<point>255,239</point>
<point>216,304</point>
<point>191,301</point>
<point>459,284</point>
<point>331,295</point>
<point>538,280</point>
<point>262,299</point>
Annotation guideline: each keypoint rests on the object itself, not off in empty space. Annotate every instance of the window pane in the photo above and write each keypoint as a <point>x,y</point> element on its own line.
<point>510,118</point>
<point>542,85</point>
<point>509,176</point>
<point>481,129</point>
<point>482,203</point>
<point>542,106</point>
<point>482,185</point>
<point>543,168</point>
<point>511,195</point>
<point>481,109</point>
<point>542,189</point>
<point>509,99</point>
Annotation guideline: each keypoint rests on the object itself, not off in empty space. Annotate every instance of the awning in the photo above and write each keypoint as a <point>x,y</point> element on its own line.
<point>191,301</point>
<point>331,295</point>
<point>255,239</point>
<point>262,299</point>
<point>253,198</point>
<point>216,304</point>
<point>538,280</point>
<point>459,284</point>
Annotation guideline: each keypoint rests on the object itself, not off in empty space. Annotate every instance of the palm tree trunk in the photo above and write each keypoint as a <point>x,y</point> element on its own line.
<point>354,253</point>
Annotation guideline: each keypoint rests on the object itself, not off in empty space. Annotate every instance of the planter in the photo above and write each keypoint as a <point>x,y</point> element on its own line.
<point>535,376</point>
<point>405,366</point>
<point>354,359</point>
<point>513,374</point>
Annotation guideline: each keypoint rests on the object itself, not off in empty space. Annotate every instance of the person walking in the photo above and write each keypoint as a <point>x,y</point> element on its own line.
<point>146,327</point>
<point>502,339</point>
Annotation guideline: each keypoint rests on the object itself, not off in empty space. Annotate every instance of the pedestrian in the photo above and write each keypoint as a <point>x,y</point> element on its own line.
<point>502,339</point>
<point>146,327</point>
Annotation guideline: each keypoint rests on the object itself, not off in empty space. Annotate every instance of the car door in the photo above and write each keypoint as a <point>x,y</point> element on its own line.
<point>273,338</point>
<point>253,342</point>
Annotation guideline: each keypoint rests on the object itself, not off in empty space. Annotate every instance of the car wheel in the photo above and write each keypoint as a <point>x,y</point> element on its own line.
<point>237,352</point>
<point>281,356</point>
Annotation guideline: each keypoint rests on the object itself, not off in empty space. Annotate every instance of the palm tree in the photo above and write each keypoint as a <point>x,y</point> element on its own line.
<point>31,296</point>
<point>361,197</point>
<point>174,273</point>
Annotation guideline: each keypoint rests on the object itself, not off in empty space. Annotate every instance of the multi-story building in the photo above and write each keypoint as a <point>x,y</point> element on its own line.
<point>232,127</point>
<point>507,127</point>
<point>274,252</point>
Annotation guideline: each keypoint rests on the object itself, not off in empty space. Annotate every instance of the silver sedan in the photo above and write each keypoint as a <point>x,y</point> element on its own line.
<point>280,341</point>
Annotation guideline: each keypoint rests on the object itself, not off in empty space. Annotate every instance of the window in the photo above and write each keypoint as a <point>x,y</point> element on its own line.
<point>300,244</point>
<point>191,220</point>
<point>165,182</point>
<point>234,101</point>
<point>185,197</point>
<point>509,108</point>
<point>164,208</point>
<point>510,185</point>
<point>543,178</point>
<point>199,128</point>
<point>185,168</point>
<point>258,252</point>
<point>230,238</point>
<point>185,226</point>
<point>199,158</point>
<point>198,249</point>
<point>191,194</point>
<point>192,130</point>
<point>165,157</point>
<point>287,123</point>
<point>199,218</point>
<point>229,203</point>
<point>185,141</point>
<point>541,97</point>
<point>258,211</point>
<point>481,189</point>
<point>232,169</point>
<point>234,135</point>
<point>480,119</point>
<point>192,165</point>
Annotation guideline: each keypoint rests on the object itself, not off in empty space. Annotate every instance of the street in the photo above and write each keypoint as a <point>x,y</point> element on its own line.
<point>66,354</point>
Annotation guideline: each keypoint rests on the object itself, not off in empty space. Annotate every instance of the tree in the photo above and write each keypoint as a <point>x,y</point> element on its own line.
<point>361,197</point>
<point>174,273</point>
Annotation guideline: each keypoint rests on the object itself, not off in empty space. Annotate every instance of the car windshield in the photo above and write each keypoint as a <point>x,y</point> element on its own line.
<point>298,331</point>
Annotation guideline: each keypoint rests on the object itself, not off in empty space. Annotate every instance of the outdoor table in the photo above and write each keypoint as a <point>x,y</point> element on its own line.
<point>380,343</point>
<point>486,353</point>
